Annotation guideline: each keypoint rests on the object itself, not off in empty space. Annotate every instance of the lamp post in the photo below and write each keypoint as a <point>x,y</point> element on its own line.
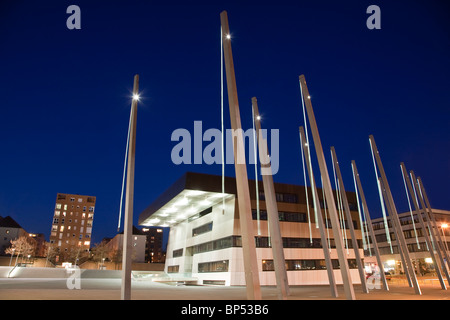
<point>125,293</point>
<point>12,254</point>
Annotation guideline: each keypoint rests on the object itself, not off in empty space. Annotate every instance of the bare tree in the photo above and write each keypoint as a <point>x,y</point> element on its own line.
<point>21,246</point>
<point>100,252</point>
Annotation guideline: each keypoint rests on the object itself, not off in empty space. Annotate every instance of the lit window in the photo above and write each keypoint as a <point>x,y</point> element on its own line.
<point>58,206</point>
<point>61,229</point>
<point>86,243</point>
<point>57,213</point>
<point>65,207</point>
<point>80,200</point>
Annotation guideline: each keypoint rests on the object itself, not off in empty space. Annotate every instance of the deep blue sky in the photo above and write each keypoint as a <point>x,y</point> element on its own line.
<point>65,94</point>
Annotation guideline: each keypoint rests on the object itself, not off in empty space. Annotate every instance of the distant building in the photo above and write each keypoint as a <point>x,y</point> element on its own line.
<point>72,223</point>
<point>9,230</point>
<point>138,243</point>
<point>154,252</point>
<point>40,249</point>
<point>417,247</point>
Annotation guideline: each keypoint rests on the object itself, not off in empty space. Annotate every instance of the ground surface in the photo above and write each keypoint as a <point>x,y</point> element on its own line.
<point>109,289</point>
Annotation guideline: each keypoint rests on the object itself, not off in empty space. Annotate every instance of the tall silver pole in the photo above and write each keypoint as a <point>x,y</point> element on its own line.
<point>323,235</point>
<point>431,216</point>
<point>343,263</point>
<point>272,209</point>
<point>369,225</point>
<point>395,220</point>
<point>396,234</point>
<point>348,215</point>
<point>429,238</point>
<point>125,292</point>
<point>243,192</point>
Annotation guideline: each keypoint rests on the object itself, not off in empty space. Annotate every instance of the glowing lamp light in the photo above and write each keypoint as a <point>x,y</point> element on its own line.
<point>309,97</point>
<point>444,225</point>
<point>258,118</point>
<point>428,260</point>
<point>228,36</point>
<point>136,97</point>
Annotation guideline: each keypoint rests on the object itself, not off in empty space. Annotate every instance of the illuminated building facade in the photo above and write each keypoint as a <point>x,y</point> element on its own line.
<point>73,218</point>
<point>417,247</point>
<point>204,242</point>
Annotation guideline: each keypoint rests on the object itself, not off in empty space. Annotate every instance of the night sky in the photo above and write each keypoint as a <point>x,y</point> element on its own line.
<point>65,94</point>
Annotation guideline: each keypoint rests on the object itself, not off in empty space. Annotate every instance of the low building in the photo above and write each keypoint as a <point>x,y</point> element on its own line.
<point>205,240</point>
<point>138,243</point>
<point>9,230</point>
<point>417,247</point>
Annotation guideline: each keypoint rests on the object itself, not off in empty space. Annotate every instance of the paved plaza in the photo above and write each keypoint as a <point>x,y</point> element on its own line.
<point>109,289</point>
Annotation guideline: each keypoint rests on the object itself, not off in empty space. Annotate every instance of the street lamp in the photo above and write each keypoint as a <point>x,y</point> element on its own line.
<point>12,254</point>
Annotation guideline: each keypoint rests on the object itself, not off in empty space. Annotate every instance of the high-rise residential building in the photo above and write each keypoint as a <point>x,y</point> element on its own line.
<point>73,218</point>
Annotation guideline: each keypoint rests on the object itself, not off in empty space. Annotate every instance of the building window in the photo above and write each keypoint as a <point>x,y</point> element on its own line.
<point>215,266</point>
<point>297,265</point>
<point>58,206</point>
<point>173,269</point>
<point>202,229</point>
<point>282,216</point>
<point>177,253</point>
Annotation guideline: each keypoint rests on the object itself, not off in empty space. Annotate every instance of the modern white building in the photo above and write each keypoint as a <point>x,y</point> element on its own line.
<point>415,241</point>
<point>205,241</point>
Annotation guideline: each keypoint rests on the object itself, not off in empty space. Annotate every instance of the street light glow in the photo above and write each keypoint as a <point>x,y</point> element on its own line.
<point>228,36</point>
<point>136,97</point>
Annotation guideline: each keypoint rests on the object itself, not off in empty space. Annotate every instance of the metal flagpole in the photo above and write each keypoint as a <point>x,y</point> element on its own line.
<point>323,236</point>
<point>343,263</point>
<point>395,220</point>
<point>424,228</point>
<point>369,225</point>
<point>243,193</point>
<point>125,292</point>
<point>272,208</point>
<point>396,235</point>
<point>433,219</point>
<point>350,223</point>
